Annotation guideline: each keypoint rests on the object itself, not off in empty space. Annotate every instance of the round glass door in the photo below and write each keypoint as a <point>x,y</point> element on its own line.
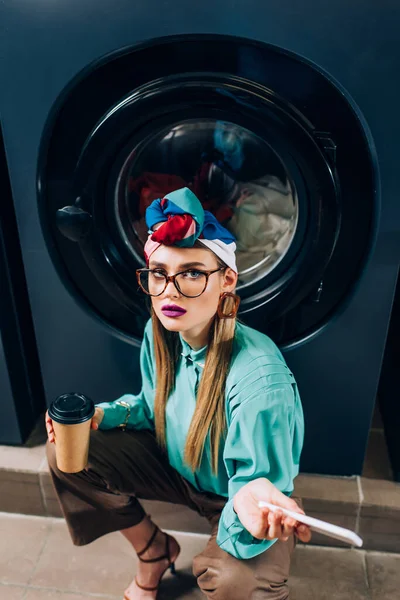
<point>235,174</point>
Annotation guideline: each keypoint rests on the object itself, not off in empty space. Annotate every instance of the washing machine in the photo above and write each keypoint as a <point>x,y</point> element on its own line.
<point>387,396</point>
<point>21,391</point>
<point>281,117</point>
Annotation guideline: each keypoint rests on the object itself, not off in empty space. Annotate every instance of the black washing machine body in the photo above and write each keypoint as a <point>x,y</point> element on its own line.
<point>284,122</point>
<point>22,398</point>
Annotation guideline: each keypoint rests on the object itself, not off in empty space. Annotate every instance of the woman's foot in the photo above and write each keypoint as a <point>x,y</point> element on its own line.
<point>149,574</point>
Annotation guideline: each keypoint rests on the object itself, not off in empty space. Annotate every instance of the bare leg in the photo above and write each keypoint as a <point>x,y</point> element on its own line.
<point>148,574</point>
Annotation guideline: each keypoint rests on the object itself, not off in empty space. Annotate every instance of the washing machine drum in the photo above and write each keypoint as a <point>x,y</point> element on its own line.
<point>268,143</point>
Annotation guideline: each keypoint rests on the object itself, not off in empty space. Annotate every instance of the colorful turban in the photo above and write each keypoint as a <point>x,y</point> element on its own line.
<point>181,220</point>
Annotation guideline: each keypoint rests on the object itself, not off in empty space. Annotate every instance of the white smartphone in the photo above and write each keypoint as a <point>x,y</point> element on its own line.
<point>333,531</point>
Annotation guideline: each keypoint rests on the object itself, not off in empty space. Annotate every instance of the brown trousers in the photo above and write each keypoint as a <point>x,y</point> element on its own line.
<point>125,466</point>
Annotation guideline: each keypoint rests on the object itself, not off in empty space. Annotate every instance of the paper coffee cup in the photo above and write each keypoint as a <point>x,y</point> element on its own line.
<point>71,415</point>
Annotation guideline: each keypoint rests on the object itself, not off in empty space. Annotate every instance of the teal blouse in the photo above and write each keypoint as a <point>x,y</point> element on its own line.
<point>264,416</point>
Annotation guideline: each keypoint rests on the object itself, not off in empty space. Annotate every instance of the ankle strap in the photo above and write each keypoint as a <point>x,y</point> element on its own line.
<point>149,543</point>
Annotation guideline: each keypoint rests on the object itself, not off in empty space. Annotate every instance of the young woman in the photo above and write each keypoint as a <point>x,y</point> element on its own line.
<point>218,424</point>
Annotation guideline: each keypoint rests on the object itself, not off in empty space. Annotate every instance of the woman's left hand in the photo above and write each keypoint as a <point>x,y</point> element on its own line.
<point>262,523</point>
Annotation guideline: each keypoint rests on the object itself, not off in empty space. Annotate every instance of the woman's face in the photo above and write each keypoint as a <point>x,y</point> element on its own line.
<point>201,310</point>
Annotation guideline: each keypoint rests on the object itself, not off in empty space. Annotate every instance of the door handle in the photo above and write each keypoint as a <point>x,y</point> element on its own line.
<point>73,222</point>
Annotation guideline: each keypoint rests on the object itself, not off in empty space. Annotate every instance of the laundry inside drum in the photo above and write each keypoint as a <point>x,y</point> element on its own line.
<point>235,174</point>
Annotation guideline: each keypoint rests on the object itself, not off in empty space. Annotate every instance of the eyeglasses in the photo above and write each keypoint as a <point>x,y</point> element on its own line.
<point>190,283</point>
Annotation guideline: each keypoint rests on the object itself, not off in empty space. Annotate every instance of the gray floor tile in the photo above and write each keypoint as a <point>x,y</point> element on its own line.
<point>12,592</point>
<point>39,562</point>
<point>380,515</point>
<point>96,568</point>
<point>50,501</point>
<point>105,566</point>
<point>179,591</point>
<point>23,497</point>
<point>327,491</point>
<point>308,588</point>
<point>380,495</point>
<point>329,564</point>
<point>383,575</point>
<point>22,540</point>
<point>43,594</point>
<point>21,459</point>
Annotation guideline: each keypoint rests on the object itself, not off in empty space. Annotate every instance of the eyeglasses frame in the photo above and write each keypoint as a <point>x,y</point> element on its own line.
<point>169,278</point>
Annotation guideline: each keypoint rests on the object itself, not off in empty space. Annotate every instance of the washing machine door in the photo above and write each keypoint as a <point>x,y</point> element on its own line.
<point>268,144</point>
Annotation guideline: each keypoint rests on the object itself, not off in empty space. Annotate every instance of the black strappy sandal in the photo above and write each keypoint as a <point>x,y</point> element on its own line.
<point>167,555</point>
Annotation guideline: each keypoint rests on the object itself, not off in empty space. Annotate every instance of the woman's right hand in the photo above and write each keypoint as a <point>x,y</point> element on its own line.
<point>96,420</point>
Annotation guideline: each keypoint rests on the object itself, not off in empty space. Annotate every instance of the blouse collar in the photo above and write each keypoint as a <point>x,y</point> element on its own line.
<point>196,356</point>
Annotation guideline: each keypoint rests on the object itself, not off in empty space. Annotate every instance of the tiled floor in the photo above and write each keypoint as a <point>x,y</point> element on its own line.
<point>38,562</point>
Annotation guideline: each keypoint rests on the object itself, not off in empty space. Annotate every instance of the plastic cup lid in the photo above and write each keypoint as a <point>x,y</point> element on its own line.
<point>71,409</point>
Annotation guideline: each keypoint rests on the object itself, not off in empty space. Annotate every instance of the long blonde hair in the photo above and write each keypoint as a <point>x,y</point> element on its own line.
<point>209,414</point>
